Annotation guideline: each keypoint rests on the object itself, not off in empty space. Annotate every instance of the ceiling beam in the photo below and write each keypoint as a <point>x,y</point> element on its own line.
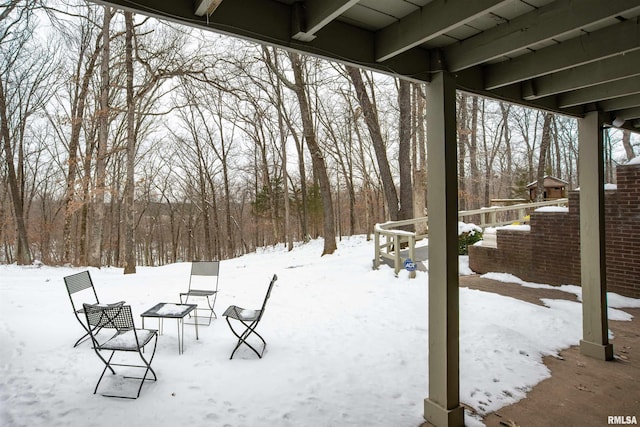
<point>555,19</point>
<point>622,103</point>
<point>613,40</point>
<point>270,23</point>
<point>615,89</point>
<point>628,114</point>
<point>471,81</point>
<point>594,73</point>
<point>206,7</point>
<point>430,21</point>
<point>312,15</point>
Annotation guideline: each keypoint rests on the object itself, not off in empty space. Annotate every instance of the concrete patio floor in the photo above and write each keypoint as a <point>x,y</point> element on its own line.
<point>582,391</point>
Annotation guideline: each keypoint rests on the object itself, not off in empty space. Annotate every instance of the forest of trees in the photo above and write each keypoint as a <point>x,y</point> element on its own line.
<point>127,141</point>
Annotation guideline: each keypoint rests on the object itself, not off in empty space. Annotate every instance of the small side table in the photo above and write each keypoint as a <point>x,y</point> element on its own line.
<point>166,310</point>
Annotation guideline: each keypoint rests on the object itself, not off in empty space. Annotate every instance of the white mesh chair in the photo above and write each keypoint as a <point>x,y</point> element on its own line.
<point>203,283</point>
<point>126,338</point>
<point>246,322</point>
<point>80,289</point>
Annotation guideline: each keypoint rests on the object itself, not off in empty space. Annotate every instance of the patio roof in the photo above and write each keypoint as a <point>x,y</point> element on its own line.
<point>570,57</point>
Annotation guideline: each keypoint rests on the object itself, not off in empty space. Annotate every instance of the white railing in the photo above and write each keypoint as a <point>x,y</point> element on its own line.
<point>388,239</point>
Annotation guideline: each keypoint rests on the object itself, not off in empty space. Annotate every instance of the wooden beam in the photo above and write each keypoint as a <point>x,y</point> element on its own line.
<point>313,15</point>
<point>627,114</point>
<point>553,20</point>
<point>610,41</point>
<point>594,73</point>
<point>206,7</point>
<point>615,89</point>
<point>622,103</point>
<point>430,21</point>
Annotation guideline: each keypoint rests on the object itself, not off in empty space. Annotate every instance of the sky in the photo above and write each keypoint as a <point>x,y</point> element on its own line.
<point>347,345</point>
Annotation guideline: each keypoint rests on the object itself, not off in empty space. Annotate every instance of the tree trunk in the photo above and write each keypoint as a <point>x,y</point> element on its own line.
<point>505,109</point>
<point>556,144</point>
<point>420,161</point>
<point>371,119</point>
<point>23,255</point>
<point>463,141</point>
<point>129,249</point>
<point>97,229</point>
<point>317,158</point>
<point>473,156</point>
<point>77,117</point>
<point>288,235</point>
<point>545,142</point>
<point>626,143</point>
<point>404,151</point>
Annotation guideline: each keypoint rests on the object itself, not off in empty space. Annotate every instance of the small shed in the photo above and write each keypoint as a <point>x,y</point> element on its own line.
<point>554,188</point>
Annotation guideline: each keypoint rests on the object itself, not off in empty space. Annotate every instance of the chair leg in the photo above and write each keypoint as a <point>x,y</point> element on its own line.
<point>212,314</point>
<point>81,339</point>
<point>143,378</point>
<point>107,364</point>
<point>86,336</point>
<point>149,368</point>
<point>242,338</point>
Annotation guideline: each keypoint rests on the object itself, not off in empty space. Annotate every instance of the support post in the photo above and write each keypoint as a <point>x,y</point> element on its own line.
<point>412,254</point>
<point>376,255</point>
<point>396,253</point>
<point>595,331</point>
<point>442,407</point>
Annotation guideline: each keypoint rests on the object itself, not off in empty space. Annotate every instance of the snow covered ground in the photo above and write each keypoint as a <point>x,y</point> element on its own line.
<point>347,346</point>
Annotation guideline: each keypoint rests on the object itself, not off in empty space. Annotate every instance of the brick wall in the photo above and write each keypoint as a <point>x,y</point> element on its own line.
<point>550,252</point>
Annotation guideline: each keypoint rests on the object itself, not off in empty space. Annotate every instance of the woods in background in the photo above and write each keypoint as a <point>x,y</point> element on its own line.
<point>127,141</point>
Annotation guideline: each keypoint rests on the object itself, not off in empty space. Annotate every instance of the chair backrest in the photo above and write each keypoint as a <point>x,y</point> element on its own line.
<point>266,297</point>
<point>204,269</point>
<point>109,316</point>
<point>80,289</point>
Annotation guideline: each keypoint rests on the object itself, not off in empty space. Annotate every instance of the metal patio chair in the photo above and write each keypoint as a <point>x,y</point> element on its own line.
<point>81,290</point>
<point>203,283</point>
<point>126,338</point>
<point>247,322</point>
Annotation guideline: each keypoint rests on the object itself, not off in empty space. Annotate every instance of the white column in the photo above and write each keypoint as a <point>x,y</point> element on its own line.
<point>442,407</point>
<point>595,341</point>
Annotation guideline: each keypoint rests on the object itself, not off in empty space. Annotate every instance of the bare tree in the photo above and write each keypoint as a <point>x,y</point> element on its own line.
<point>419,156</point>
<point>404,151</point>
<point>507,170</point>
<point>626,143</point>
<point>97,232</point>
<point>474,169</point>
<point>317,157</point>
<point>545,143</point>
<point>129,250</point>
<point>88,50</point>
<point>25,87</point>
<point>371,119</point>
<point>463,142</point>
<point>270,56</point>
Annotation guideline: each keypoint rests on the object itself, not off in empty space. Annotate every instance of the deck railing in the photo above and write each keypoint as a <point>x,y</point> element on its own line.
<point>389,238</point>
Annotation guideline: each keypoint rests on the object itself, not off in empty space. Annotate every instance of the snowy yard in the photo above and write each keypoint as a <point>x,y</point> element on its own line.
<point>347,346</point>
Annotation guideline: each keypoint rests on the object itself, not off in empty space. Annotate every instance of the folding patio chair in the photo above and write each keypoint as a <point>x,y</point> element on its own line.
<point>248,319</point>
<point>203,283</point>
<point>126,338</point>
<point>80,289</point>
